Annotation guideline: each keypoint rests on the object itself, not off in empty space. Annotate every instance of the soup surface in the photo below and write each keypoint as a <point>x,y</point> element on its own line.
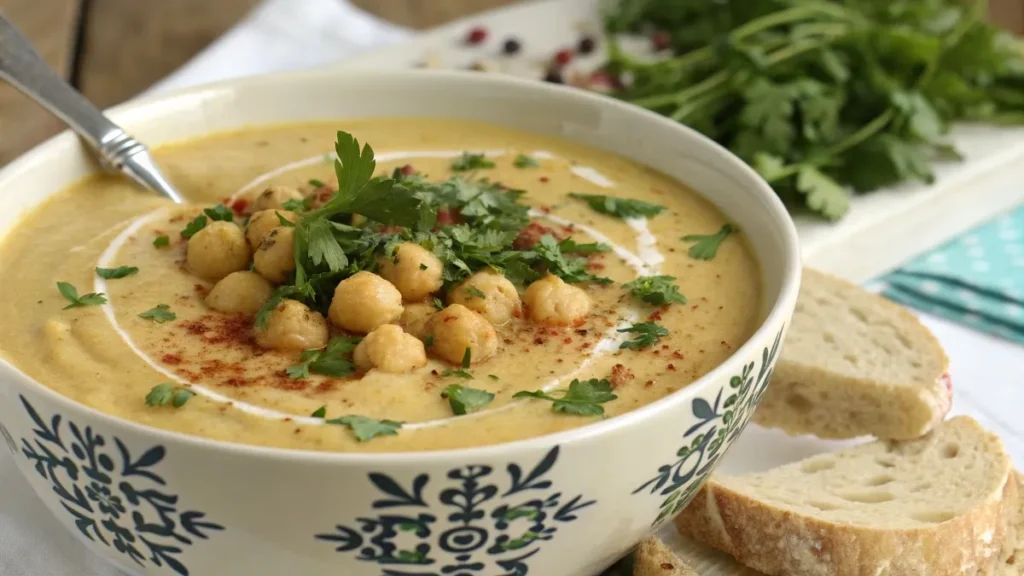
<point>463,281</point>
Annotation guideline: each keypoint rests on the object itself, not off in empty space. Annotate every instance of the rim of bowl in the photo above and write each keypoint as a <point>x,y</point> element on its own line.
<point>162,104</point>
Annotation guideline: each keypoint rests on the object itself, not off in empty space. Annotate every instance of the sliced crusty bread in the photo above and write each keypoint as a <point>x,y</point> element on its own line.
<point>855,364</point>
<point>937,505</point>
<point>653,558</point>
<point>1011,562</point>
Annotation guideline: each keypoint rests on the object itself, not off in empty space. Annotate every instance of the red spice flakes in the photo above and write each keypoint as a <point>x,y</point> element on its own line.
<point>660,41</point>
<point>544,179</point>
<point>694,307</point>
<point>529,236</point>
<point>287,419</point>
<point>446,217</point>
<point>671,367</point>
<point>582,332</point>
<point>657,352</point>
<point>656,315</point>
<point>235,382</point>
<point>476,35</point>
<point>298,430</point>
<point>649,383</point>
<point>196,328</point>
<point>172,359</point>
<point>563,57</point>
<point>200,289</point>
<point>407,170</point>
<point>538,340</point>
<point>678,354</point>
<point>620,375</point>
<point>239,206</point>
<point>177,218</point>
<point>664,346</point>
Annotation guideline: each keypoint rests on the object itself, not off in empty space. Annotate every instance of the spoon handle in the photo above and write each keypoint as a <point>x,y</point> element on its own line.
<point>22,67</point>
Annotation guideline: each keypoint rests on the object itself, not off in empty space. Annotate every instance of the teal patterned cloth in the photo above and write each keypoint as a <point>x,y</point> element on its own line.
<point>976,280</point>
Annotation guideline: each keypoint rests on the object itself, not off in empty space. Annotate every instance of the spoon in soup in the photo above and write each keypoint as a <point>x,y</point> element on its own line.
<point>22,67</point>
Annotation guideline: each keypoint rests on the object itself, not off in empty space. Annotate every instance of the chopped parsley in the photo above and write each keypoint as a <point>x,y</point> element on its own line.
<point>475,292</point>
<point>167,393</point>
<point>524,161</point>
<point>367,428</point>
<point>647,333</point>
<point>161,241</point>
<point>582,398</point>
<point>707,244</point>
<point>423,266</point>
<point>464,371</point>
<point>284,221</point>
<point>116,273</point>
<point>220,212</point>
<point>298,204</point>
<point>316,183</point>
<point>194,226</point>
<point>428,341</point>
<point>493,377</point>
<point>569,246</point>
<point>438,304</point>
<point>335,359</point>
<point>160,313</point>
<point>464,400</point>
<point>70,293</point>
<point>548,252</point>
<point>320,412</point>
<point>468,162</point>
<point>620,207</point>
<point>656,290</point>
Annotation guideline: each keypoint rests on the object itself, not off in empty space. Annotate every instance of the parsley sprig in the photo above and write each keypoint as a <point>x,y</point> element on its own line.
<point>620,207</point>
<point>583,398</point>
<point>647,333</point>
<point>167,393</point>
<point>116,273</point>
<point>706,245</point>
<point>160,313</point>
<point>70,293</point>
<point>464,399</point>
<point>656,290</point>
<point>525,161</point>
<point>367,428</point>
<point>463,372</point>
<point>335,359</point>
<point>469,161</point>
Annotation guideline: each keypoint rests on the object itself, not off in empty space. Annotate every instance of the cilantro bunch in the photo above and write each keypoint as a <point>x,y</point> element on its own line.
<point>824,97</point>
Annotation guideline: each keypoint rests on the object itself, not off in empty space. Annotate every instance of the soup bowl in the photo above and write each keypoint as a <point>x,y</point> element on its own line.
<point>569,504</point>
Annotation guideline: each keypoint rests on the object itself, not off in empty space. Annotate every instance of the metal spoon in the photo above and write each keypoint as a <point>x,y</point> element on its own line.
<point>22,66</point>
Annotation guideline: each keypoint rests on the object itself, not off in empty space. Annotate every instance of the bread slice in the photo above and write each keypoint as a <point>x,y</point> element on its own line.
<point>937,505</point>
<point>653,558</point>
<point>1011,562</point>
<point>855,364</point>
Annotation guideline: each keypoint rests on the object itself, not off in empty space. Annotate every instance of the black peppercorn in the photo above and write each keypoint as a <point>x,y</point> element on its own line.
<point>511,46</point>
<point>586,45</point>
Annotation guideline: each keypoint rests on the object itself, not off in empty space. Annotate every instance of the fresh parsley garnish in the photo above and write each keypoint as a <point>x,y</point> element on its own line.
<point>220,212</point>
<point>656,290</point>
<point>70,293</point>
<point>620,207</point>
<point>464,400</point>
<point>320,412</point>
<point>298,205</point>
<point>707,244</point>
<point>167,393</point>
<point>194,226</point>
<point>161,241</point>
<point>493,377</point>
<point>583,398</point>
<point>438,304</point>
<point>468,162</point>
<point>284,222</point>
<point>316,183</point>
<point>524,161</point>
<point>475,292</point>
<point>647,333</point>
<point>464,371</point>
<point>569,246</point>
<point>333,360</point>
<point>115,273</point>
<point>160,313</point>
<point>548,252</point>
<point>428,341</point>
<point>367,428</point>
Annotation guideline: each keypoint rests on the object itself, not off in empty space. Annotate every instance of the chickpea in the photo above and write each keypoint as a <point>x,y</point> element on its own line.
<point>217,250</point>
<point>551,301</point>
<point>240,292</point>
<point>391,350</point>
<point>414,318</point>
<point>414,270</point>
<point>363,302</point>
<point>263,222</point>
<point>293,326</point>
<point>275,257</point>
<point>500,300</point>
<point>273,198</point>
<point>456,328</point>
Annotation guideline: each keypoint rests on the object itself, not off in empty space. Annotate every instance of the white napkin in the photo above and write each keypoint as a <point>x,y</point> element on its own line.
<point>276,35</point>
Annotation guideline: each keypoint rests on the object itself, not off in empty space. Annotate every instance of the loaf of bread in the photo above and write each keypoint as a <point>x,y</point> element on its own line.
<point>653,558</point>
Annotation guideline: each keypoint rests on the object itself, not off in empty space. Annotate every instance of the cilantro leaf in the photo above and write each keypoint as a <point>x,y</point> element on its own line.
<point>194,226</point>
<point>160,313</point>
<point>161,241</point>
<point>115,273</point>
<point>298,205</point>
<point>316,183</point>
<point>458,373</point>
<point>333,360</point>
<point>467,359</point>
<point>438,304</point>
<point>367,428</point>
<point>181,396</point>
<point>620,207</point>
<point>524,161</point>
<point>647,333</point>
<point>824,194</point>
<point>569,246</point>
<point>583,398</point>
<point>468,162</point>
<point>548,252</point>
<point>220,212</point>
<point>320,412</point>
<point>475,292</point>
<point>707,244</point>
<point>656,290</point>
<point>70,293</point>
<point>167,393</point>
<point>464,400</point>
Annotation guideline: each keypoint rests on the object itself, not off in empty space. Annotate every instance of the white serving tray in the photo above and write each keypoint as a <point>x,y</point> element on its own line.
<point>882,230</point>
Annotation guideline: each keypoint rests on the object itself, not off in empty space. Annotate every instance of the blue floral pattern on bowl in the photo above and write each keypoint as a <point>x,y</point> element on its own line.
<point>8,439</point>
<point>490,531</point>
<point>113,499</point>
<point>718,424</point>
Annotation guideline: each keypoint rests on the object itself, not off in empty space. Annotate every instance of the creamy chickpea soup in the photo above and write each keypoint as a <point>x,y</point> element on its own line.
<point>475,285</point>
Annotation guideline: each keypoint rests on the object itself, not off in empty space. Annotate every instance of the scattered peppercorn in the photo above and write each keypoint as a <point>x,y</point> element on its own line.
<point>586,45</point>
<point>553,76</point>
<point>661,41</point>
<point>563,57</point>
<point>476,35</point>
<point>511,46</point>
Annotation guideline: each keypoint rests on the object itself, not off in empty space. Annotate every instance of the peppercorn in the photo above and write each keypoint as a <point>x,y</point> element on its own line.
<point>511,46</point>
<point>586,45</point>
<point>553,76</point>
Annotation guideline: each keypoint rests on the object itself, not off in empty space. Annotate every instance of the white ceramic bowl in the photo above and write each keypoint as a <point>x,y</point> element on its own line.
<point>567,504</point>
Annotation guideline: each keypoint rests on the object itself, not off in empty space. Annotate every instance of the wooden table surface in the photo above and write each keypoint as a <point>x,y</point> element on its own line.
<point>113,49</point>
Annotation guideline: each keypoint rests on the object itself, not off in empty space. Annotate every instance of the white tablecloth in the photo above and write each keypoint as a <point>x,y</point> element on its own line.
<point>285,34</point>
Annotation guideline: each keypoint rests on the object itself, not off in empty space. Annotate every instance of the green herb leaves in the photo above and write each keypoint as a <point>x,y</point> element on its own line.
<point>464,400</point>
<point>220,212</point>
<point>474,292</point>
<point>167,393</point>
<point>707,244</point>
<point>646,334</point>
<point>524,161</point>
<point>333,360</point>
<point>70,293</point>
<point>160,313</point>
<point>620,207</point>
<point>367,428</point>
<point>464,372</point>
<point>583,398</point>
<point>468,162</point>
<point>548,252</point>
<point>116,273</point>
<point>161,241</point>
<point>656,290</point>
<point>194,226</point>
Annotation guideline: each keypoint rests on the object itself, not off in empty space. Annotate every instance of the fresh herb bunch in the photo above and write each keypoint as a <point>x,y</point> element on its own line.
<point>825,96</point>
